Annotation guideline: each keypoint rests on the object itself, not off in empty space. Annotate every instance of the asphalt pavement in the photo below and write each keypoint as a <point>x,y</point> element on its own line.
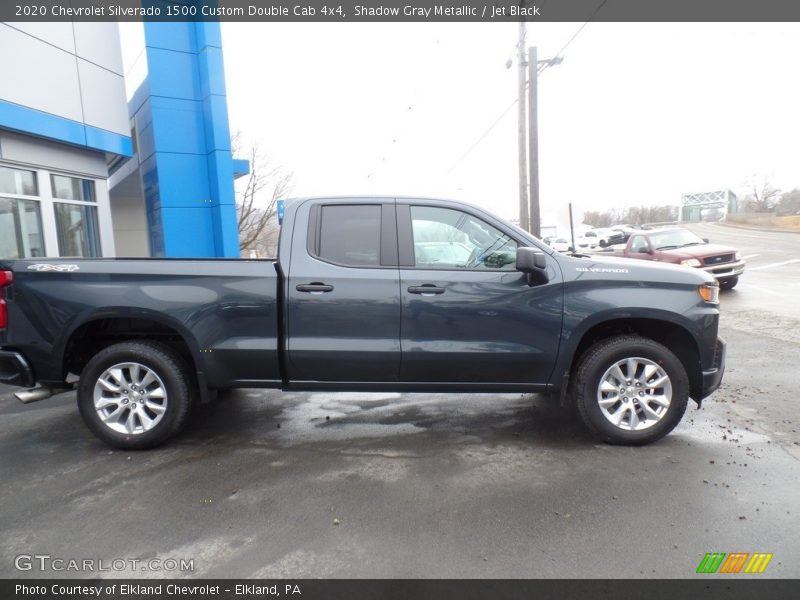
<point>768,294</point>
<point>269,484</point>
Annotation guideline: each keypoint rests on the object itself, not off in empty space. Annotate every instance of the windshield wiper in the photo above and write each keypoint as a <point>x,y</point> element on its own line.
<point>670,247</point>
<point>692,244</point>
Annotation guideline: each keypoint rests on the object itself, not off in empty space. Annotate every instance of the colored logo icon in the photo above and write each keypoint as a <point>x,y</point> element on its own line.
<point>734,562</point>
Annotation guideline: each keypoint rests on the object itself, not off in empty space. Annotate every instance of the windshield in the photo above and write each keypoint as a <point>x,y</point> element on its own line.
<point>675,238</point>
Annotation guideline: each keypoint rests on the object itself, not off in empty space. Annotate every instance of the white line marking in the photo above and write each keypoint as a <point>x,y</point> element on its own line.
<point>749,256</point>
<point>778,264</point>
<point>766,291</point>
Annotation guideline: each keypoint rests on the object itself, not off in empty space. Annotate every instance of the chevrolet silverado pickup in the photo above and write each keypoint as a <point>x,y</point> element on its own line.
<point>400,294</point>
<point>682,247</point>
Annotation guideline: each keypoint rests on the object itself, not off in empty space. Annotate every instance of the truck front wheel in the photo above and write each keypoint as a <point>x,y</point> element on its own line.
<point>630,390</point>
<point>135,395</point>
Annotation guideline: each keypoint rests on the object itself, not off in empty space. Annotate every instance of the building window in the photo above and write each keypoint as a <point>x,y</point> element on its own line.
<point>78,234</point>
<point>72,188</point>
<point>20,218</point>
<point>76,221</point>
<point>20,229</point>
<point>18,182</point>
<point>38,220</point>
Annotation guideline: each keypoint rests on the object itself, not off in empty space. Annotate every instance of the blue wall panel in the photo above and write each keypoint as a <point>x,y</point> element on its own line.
<point>219,164</point>
<point>172,74</point>
<point>168,37</point>
<point>181,126</point>
<point>156,233</point>
<point>226,230</point>
<point>183,181</point>
<point>215,122</point>
<point>208,34</point>
<point>183,135</point>
<point>196,226</point>
<point>212,72</point>
<point>35,122</point>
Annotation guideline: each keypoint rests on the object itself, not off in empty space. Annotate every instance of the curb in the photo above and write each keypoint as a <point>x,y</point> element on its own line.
<point>751,228</point>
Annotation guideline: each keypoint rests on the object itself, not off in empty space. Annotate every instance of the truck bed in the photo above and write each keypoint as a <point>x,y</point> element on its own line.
<point>225,309</point>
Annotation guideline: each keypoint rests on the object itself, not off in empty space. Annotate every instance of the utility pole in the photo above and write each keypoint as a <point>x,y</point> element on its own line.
<point>524,219</point>
<point>533,137</point>
<point>571,229</point>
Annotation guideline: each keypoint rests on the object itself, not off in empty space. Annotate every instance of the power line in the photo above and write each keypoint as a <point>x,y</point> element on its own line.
<point>483,135</point>
<point>574,35</point>
<point>527,84</point>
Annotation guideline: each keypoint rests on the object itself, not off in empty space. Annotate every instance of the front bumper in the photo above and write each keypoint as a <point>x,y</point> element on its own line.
<point>15,370</point>
<point>726,271</point>
<point>712,378</point>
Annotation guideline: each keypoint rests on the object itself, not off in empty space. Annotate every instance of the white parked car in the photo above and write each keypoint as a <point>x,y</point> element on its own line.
<point>603,236</point>
<point>587,241</point>
<point>559,244</point>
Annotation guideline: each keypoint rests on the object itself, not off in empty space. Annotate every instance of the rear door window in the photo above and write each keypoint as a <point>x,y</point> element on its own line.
<point>350,235</point>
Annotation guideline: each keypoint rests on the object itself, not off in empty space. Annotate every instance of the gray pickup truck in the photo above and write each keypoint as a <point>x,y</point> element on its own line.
<point>401,294</point>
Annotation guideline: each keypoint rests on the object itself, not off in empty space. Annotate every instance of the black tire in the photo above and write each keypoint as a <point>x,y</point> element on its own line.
<point>161,360</point>
<point>728,284</point>
<point>602,356</point>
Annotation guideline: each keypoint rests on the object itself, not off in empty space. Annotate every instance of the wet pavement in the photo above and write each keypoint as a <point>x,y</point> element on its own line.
<point>266,484</point>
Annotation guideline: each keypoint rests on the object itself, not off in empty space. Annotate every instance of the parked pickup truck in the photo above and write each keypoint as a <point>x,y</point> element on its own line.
<point>366,294</point>
<point>682,247</point>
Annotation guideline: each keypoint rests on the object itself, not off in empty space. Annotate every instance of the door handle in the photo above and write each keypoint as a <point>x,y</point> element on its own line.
<point>314,288</point>
<point>426,289</point>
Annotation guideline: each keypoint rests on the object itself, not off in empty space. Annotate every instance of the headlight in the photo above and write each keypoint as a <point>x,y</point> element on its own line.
<point>737,256</point>
<point>709,292</point>
<point>690,262</point>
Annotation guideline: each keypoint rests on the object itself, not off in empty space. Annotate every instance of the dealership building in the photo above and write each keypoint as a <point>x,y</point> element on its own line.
<point>114,141</point>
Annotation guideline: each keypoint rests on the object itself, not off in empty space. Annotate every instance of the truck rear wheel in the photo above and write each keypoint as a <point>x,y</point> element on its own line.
<point>135,395</point>
<point>630,390</point>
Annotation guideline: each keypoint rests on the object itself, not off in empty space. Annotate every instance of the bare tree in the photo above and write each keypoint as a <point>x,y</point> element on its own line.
<point>763,196</point>
<point>600,219</point>
<point>790,203</point>
<point>641,215</point>
<point>637,215</point>
<point>257,200</point>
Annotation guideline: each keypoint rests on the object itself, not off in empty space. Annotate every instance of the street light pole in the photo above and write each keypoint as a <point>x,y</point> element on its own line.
<point>524,219</point>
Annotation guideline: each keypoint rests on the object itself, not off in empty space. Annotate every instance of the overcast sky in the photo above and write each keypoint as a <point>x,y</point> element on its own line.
<point>637,113</point>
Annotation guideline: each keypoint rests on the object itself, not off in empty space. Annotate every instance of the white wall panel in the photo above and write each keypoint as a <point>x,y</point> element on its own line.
<point>39,75</point>
<point>104,102</point>
<point>130,226</point>
<point>99,43</point>
<point>41,153</point>
<point>57,34</point>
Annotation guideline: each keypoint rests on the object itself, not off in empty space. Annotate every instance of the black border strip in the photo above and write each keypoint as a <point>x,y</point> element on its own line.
<point>402,11</point>
<point>706,587</point>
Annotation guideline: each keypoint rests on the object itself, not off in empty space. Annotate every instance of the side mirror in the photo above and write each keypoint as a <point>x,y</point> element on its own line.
<point>530,260</point>
<point>533,262</point>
